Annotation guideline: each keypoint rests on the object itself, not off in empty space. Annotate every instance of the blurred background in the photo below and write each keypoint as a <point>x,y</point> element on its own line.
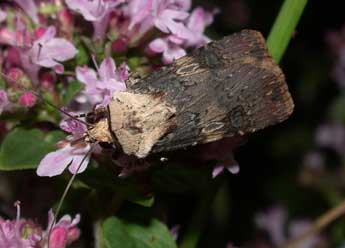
<point>289,174</point>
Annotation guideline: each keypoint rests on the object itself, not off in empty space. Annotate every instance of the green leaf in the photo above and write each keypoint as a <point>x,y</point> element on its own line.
<point>24,149</point>
<point>125,234</point>
<point>83,56</point>
<point>72,90</point>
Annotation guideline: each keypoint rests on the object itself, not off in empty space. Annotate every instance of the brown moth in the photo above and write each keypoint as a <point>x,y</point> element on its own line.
<point>227,88</point>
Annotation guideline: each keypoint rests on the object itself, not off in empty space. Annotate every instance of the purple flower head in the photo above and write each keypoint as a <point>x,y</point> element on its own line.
<point>165,15</point>
<point>298,228</point>
<point>273,222</point>
<point>331,135</point>
<point>93,10</point>
<point>101,85</point>
<point>30,8</point>
<point>170,47</point>
<point>3,15</point>
<point>48,51</point>
<point>3,100</point>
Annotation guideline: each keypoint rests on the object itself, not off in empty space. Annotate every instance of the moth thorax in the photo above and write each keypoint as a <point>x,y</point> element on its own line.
<point>99,132</point>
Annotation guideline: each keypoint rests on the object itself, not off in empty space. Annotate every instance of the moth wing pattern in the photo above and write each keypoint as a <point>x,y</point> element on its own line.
<point>227,88</point>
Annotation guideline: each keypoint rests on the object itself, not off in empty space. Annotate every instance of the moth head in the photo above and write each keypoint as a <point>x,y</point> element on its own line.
<point>99,132</point>
<point>139,120</point>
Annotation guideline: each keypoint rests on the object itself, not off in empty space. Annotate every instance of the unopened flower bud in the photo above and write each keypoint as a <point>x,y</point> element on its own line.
<point>28,99</point>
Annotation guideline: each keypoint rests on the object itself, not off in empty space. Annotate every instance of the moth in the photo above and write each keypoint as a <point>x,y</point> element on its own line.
<point>226,88</point>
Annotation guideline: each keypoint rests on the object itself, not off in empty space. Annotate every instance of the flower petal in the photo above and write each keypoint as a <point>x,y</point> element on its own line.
<point>217,170</point>
<point>107,69</point>
<point>78,155</point>
<point>55,163</point>
<point>30,8</point>
<point>3,15</point>
<point>158,45</point>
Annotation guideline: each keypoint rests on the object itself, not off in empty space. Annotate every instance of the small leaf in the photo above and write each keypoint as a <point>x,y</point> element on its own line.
<point>125,234</point>
<point>24,149</point>
<point>82,57</point>
<point>73,89</point>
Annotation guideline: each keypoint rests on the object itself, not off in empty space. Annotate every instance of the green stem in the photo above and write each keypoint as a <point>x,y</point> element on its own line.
<point>284,27</point>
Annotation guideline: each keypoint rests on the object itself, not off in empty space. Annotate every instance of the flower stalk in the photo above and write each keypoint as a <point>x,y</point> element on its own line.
<point>284,27</point>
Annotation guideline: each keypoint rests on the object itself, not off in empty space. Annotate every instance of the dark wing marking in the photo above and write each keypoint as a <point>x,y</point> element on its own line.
<point>226,88</point>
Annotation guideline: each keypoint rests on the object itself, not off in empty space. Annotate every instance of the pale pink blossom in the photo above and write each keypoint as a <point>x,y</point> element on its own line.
<point>197,23</point>
<point>298,228</point>
<point>93,10</point>
<point>331,135</point>
<point>101,85</point>
<point>30,8</point>
<point>3,100</point>
<point>169,46</point>
<point>48,51</point>
<point>75,156</point>
<point>165,15</point>
<point>3,15</point>
<point>233,169</point>
<point>275,222</point>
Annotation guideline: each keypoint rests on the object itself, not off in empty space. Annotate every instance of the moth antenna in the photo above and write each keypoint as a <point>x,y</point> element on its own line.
<point>45,101</point>
<point>67,188</point>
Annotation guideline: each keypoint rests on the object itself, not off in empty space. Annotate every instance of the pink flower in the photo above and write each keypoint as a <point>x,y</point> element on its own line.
<point>170,47</point>
<point>331,135</point>
<point>30,8</point>
<point>64,232</point>
<point>196,23</point>
<point>54,163</point>
<point>273,222</point>
<point>22,233</point>
<point>7,36</point>
<point>3,15</point>
<point>19,233</point>
<point>163,14</point>
<point>3,100</point>
<point>100,88</point>
<point>28,99</point>
<point>232,168</point>
<point>48,51</point>
<point>93,10</point>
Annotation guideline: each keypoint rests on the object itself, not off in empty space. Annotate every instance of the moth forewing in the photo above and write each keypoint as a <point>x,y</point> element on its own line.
<point>227,88</point>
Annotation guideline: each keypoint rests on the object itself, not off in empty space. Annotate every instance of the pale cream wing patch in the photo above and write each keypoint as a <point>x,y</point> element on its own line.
<point>138,121</point>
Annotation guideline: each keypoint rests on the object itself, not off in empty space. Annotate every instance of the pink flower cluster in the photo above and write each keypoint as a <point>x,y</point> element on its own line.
<point>23,233</point>
<point>35,46</point>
